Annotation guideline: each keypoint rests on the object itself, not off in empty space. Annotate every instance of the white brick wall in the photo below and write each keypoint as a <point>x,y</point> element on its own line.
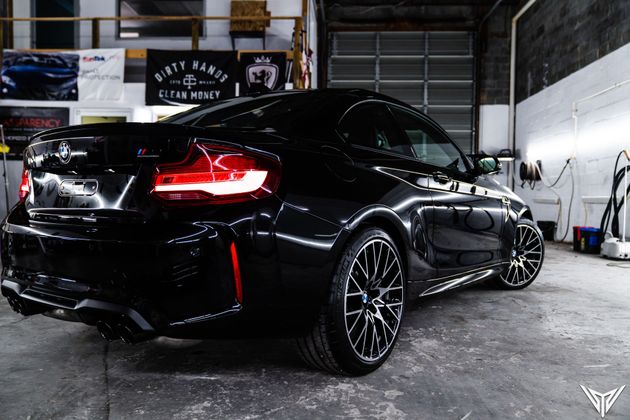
<point>493,133</point>
<point>545,131</point>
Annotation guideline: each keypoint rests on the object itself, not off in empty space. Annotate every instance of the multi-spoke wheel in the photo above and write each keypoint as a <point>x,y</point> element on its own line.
<point>374,300</point>
<point>359,325</point>
<point>526,257</point>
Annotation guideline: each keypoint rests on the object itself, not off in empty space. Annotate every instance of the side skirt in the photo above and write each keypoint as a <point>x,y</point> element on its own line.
<point>464,279</point>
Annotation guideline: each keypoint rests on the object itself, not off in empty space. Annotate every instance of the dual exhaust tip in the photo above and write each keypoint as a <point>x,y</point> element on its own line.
<point>23,307</point>
<point>110,331</point>
<point>16,304</point>
<point>120,331</point>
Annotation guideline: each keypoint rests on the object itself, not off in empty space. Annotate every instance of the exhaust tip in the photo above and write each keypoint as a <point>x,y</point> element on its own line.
<point>125,333</point>
<point>16,304</point>
<point>106,331</point>
<point>22,306</point>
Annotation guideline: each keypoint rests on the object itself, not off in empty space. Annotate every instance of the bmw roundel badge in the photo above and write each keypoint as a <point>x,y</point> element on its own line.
<point>64,152</point>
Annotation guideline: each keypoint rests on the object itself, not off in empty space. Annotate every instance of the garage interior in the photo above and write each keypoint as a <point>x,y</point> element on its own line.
<point>543,84</point>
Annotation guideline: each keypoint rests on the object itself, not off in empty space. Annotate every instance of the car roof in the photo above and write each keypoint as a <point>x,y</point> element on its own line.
<point>350,94</point>
<point>329,105</point>
<point>340,99</point>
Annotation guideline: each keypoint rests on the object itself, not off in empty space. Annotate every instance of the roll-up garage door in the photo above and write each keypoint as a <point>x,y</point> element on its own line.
<point>433,71</point>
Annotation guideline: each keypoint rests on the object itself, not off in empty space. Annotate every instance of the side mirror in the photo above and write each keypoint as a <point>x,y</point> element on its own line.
<point>485,164</point>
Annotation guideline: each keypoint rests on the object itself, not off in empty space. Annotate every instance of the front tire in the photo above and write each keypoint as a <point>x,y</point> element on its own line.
<point>359,323</point>
<point>526,257</point>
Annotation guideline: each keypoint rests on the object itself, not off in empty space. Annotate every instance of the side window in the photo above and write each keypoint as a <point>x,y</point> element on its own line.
<point>371,125</point>
<point>429,146</point>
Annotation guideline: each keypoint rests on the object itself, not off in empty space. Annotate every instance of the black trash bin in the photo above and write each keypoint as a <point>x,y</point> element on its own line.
<point>548,229</point>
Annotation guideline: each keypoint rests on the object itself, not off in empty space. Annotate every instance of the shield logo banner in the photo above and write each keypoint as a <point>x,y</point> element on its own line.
<point>267,71</point>
<point>262,73</point>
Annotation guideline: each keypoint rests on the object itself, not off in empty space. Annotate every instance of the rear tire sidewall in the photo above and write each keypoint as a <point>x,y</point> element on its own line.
<point>350,361</point>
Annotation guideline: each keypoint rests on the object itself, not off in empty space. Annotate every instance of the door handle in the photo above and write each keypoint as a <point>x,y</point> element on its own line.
<point>440,177</point>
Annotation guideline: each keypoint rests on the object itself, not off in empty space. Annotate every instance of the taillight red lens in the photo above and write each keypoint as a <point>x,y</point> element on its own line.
<point>25,187</point>
<point>212,174</point>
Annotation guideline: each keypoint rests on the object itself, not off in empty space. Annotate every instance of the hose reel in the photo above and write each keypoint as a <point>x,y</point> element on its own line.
<point>530,171</point>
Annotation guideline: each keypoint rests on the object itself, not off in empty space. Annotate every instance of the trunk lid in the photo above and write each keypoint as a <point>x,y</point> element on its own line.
<point>101,172</point>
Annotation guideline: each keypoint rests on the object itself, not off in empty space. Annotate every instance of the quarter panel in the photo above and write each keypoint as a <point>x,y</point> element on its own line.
<point>374,185</point>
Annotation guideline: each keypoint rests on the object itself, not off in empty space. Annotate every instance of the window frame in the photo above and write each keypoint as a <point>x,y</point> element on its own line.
<point>202,27</point>
<point>392,121</point>
<point>431,128</point>
<point>76,25</point>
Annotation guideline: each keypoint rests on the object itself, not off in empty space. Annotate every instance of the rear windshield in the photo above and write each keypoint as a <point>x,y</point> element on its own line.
<point>292,113</point>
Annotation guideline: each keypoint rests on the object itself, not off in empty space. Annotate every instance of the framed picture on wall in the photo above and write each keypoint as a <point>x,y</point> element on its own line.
<point>95,119</point>
<point>96,116</point>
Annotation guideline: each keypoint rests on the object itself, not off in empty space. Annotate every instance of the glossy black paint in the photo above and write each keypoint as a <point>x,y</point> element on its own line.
<point>117,253</point>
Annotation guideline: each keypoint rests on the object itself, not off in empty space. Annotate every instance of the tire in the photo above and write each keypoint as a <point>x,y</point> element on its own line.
<point>359,323</point>
<point>526,258</point>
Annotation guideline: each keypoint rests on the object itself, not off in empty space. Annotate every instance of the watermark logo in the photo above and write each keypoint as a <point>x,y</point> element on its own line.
<point>602,402</point>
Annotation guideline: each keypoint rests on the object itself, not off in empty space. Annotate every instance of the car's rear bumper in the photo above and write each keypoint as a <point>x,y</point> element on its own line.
<point>155,280</point>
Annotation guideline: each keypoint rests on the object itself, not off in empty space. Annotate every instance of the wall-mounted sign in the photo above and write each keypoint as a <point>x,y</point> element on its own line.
<point>20,123</point>
<point>262,71</point>
<point>189,77</point>
<point>101,74</point>
<point>71,76</point>
<point>40,76</point>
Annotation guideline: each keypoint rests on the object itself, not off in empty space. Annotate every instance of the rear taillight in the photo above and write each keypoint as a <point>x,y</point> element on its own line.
<point>25,187</point>
<point>212,174</point>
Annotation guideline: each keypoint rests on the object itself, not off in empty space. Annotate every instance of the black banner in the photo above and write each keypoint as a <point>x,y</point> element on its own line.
<point>40,76</point>
<point>189,77</point>
<point>20,123</point>
<point>262,72</point>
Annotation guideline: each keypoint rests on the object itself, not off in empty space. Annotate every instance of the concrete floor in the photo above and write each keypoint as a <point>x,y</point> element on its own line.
<point>477,354</point>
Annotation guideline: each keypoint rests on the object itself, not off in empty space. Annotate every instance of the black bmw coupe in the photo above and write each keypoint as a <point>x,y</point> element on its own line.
<point>313,214</point>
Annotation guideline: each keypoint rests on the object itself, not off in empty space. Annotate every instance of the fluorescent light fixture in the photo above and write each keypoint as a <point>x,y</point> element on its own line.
<point>130,34</point>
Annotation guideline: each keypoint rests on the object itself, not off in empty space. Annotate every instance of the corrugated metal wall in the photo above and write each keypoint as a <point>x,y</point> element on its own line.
<point>433,71</point>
